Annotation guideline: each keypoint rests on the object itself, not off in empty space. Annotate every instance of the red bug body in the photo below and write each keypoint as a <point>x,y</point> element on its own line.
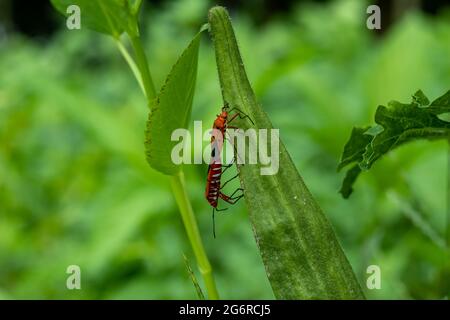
<point>213,184</point>
<point>212,191</point>
<point>221,122</point>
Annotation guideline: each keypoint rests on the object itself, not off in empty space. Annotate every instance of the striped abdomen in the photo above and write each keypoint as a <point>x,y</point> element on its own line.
<point>213,183</point>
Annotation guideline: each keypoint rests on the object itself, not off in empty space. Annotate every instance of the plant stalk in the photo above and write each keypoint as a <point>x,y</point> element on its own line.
<point>131,63</point>
<point>190,223</point>
<point>447,222</point>
<point>144,78</point>
<point>142,63</point>
<point>447,235</point>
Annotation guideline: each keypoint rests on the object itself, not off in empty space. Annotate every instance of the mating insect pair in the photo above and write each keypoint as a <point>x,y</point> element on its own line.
<point>215,169</point>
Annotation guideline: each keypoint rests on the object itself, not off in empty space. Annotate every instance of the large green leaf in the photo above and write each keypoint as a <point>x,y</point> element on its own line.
<point>172,109</point>
<point>300,251</point>
<point>112,17</point>
<point>395,125</point>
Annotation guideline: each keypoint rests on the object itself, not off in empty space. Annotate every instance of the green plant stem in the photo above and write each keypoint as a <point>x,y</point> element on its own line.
<point>448,198</point>
<point>446,256</point>
<point>136,7</point>
<point>177,181</point>
<point>142,63</point>
<point>193,233</point>
<point>131,63</point>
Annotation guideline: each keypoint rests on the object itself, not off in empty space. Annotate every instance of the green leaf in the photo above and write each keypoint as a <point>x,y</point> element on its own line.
<point>354,151</point>
<point>350,178</point>
<point>172,109</point>
<point>197,287</point>
<point>112,17</point>
<point>395,125</point>
<point>420,98</point>
<point>441,105</point>
<point>301,254</point>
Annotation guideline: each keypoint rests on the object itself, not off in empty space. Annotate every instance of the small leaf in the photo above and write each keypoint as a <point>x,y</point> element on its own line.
<point>350,178</point>
<point>172,109</point>
<point>396,124</point>
<point>112,17</point>
<point>197,287</point>
<point>355,147</point>
<point>441,105</point>
<point>420,98</point>
<point>299,249</point>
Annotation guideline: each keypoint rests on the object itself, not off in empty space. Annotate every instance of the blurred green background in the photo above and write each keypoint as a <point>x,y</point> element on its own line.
<point>75,187</point>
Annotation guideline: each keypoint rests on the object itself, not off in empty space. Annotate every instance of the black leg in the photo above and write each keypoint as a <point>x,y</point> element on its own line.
<point>235,150</point>
<point>242,115</point>
<point>232,199</point>
<point>235,199</point>
<point>229,180</point>
<point>238,189</point>
<point>223,209</point>
<point>226,167</point>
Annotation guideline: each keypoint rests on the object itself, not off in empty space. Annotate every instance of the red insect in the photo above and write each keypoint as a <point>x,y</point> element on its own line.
<point>222,121</point>
<point>213,186</point>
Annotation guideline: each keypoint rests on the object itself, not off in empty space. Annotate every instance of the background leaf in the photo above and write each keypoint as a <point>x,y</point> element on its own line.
<point>300,251</point>
<point>354,151</point>
<point>396,124</point>
<point>172,109</point>
<point>112,17</point>
<point>193,278</point>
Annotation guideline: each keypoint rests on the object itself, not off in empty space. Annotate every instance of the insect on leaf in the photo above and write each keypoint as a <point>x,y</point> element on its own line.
<point>112,17</point>
<point>301,254</point>
<point>396,124</point>
<point>171,109</point>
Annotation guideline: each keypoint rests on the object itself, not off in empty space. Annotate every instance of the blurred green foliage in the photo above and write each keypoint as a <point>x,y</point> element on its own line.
<point>75,187</point>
